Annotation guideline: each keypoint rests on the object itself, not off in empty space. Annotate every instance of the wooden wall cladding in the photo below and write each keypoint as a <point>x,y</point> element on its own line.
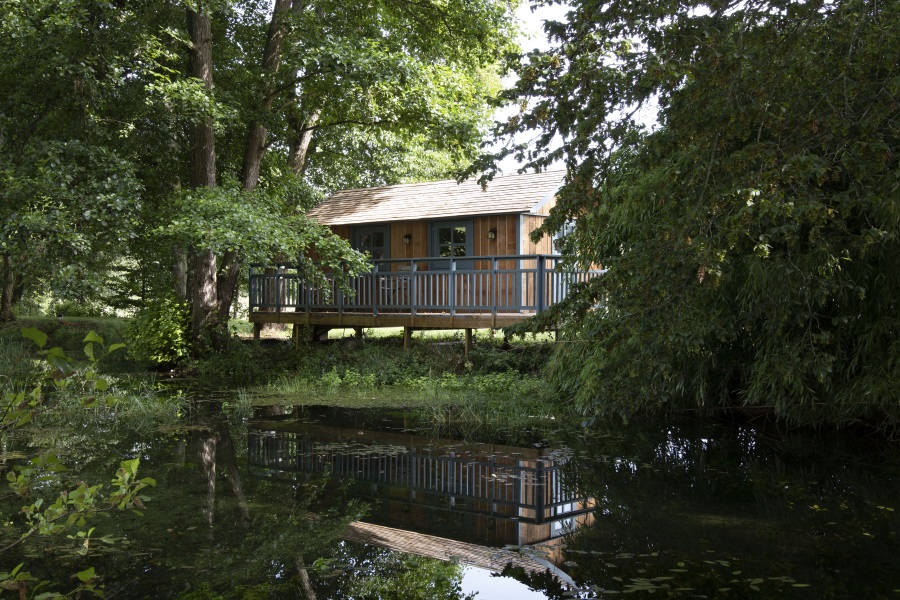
<point>418,245</point>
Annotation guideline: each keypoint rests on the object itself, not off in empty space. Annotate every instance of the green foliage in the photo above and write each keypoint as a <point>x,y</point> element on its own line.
<point>31,482</point>
<point>751,237</point>
<point>405,576</point>
<point>95,110</point>
<point>159,332</point>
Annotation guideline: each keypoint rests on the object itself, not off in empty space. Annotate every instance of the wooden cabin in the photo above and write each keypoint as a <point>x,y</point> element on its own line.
<point>445,255</point>
<point>445,218</point>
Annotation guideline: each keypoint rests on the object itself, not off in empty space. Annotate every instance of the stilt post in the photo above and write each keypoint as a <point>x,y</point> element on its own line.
<point>407,337</point>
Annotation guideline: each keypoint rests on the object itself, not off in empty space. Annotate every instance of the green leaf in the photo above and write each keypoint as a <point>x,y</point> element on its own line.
<point>101,384</point>
<point>35,335</point>
<point>130,466</point>
<point>86,575</point>
<point>92,337</point>
<point>115,347</point>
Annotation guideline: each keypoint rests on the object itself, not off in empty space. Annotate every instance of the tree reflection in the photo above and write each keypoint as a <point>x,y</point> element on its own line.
<point>716,509</point>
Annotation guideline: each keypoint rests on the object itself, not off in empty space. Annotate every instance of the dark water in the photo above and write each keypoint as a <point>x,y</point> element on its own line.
<point>325,504</point>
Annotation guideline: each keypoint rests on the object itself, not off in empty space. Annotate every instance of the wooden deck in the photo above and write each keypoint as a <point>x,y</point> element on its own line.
<point>445,549</point>
<point>425,293</point>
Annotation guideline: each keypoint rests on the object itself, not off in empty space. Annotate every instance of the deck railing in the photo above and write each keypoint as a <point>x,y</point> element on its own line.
<point>532,491</point>
<point>485,284</point>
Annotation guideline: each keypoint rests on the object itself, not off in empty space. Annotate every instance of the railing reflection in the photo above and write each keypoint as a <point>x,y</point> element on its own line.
<point>516,486</point>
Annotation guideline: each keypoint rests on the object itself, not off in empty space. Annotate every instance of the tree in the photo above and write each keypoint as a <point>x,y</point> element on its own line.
<point>69,197</point>
<point>222,121</point>
<point>750,235</point>
<point>326,67</point>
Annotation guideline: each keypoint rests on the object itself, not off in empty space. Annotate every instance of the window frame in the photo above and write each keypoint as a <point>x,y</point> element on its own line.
<point>434,245</point>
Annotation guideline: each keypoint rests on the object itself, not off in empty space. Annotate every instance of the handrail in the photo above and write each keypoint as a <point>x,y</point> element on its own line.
<point>518,283</point>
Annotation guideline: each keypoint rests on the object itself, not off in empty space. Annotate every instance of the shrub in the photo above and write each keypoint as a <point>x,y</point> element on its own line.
<point>159,332</point>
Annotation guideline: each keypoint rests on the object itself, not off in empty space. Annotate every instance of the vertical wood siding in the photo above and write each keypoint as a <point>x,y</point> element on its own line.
<point>472,289</point>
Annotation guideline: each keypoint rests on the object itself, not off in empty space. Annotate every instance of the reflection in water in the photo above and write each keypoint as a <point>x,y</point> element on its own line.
<point>729,511</point>
<point>475,497</point>
<point>681,510</point>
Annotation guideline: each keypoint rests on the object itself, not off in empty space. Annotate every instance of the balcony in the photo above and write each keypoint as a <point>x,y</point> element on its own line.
<point>434,292</point>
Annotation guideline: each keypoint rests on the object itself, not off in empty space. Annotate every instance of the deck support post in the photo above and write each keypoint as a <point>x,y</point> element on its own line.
<point>257,330</point>
<point>358,332</point>
<point>297,334</point>
<point>407,337</point>
<point>468,347</point>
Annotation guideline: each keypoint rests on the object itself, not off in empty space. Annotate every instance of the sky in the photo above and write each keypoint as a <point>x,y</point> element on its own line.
<point>533,37</point>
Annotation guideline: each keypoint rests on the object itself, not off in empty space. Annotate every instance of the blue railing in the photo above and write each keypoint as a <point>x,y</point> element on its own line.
<point>485,284</point>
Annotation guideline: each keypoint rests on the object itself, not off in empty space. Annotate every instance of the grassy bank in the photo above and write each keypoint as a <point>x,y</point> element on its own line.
<point>500,384</point>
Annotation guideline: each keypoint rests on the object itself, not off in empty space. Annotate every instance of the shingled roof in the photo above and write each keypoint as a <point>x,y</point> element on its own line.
<point>438,200</point>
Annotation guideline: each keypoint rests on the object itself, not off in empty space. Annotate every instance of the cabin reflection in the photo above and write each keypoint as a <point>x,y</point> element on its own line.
<point>478,493</point>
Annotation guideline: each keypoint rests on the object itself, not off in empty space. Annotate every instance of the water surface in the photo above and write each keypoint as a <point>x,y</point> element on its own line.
<point>320,503</point>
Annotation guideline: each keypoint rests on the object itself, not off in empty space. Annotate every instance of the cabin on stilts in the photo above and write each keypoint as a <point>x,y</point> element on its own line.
<point>444,255</point>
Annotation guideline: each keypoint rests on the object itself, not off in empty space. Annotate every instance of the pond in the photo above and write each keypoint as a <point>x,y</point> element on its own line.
<point>282,502</point>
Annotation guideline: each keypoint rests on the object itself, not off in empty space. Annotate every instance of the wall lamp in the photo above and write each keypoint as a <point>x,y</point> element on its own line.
<point>492,233</point>
<point>406,239</point>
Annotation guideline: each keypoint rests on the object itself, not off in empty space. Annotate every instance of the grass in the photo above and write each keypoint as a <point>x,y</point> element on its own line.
<point>498,388</point>
<point>498,383</point>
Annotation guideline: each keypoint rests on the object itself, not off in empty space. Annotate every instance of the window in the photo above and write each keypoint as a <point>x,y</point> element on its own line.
<point>451,239</point>
<point>374,240</point>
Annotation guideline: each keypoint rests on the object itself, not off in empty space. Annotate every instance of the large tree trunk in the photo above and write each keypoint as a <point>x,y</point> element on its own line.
<point>204,305</point>
<point>8,292</point>
<point>203,142</point>
<point>301,135</point>
<point>255,147</point>
<point>204,313</point>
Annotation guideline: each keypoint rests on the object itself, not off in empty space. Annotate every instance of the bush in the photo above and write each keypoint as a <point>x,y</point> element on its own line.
<point>160,331</point>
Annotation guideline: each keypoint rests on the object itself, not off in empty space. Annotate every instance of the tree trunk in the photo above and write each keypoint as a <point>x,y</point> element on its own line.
<point>203,142</point>
<point>208,469</point>
<point>301,135</point>
<point>180,273</point>
<point>255,147</point>
<point>204,306</point>
<point>227,458</point>
<point>308,590</point>
<point>228,283</point>
<point>8,292</point>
